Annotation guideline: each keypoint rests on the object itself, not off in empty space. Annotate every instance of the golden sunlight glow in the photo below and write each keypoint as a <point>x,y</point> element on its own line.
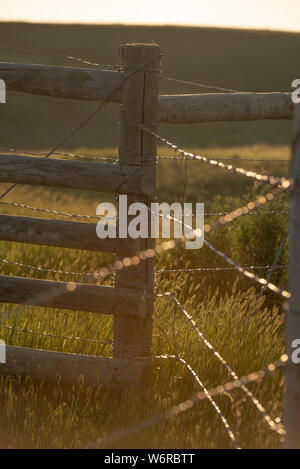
<point>266,14</point>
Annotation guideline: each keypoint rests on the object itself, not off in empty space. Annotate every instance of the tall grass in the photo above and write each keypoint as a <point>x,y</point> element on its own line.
<point>39,415</point>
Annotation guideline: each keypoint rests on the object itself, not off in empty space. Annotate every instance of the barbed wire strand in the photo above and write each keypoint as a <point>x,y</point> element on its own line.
<point>230,158</point>
<point>158,158</point>
<point>262,281</point>
<point>50,335</point>
<point>281,182</point>
<point>245,210</point>
<point>64,56</point>
<point>98,217</point>
<point>274,265</point>
<point>222,360</point>
<point>200,269</point>
<point>113,159</point>
<point>91,113</point>
<point>54,212</point>
<point>198,85</point>
<point>157,271</point>
<point>212,402</point>
<point>190,403</point>
<point>268,276</point>
<point>261,200</point>
<point>165,246</point>
<point>285,294</point>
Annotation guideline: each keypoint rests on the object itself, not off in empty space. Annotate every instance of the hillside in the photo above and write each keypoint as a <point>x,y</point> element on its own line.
<point>238,59</point>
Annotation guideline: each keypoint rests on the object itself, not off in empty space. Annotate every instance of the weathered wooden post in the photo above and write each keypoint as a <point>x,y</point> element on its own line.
<point>133,338</point>
<point>292,397</point>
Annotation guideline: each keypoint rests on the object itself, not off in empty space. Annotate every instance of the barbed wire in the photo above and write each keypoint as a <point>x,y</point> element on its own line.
<point>113,159</point>
<point>222,360</point>
<point>274,264</point>
<point>245,210</point>
<point>262,281</point>
<point>98,217</point>
<point>285,294</point>
<point>281,182</point>
<point>199,269</point>
<point>237,382</point>
<point>235,158</point>
<point>74,338</point>
<point>64,56</point>
<point>204,390</point>
<point>199,85</point>
<point>250,212</point>
<point>44,269</point>
<point>167,245</point>
<point>54,212</point>
<point>50,335</point>
<point>190,403</point>
<point>212,402</point>
<point>269,274</point>
<point>157,271</point>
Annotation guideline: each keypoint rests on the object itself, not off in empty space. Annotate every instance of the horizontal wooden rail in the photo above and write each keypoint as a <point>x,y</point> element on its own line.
<point>74,296</point>
<point>84,175</point>
<point>59,233</point>
<point>91,84</point>
<point>213,107</point>
<point>71,368</point>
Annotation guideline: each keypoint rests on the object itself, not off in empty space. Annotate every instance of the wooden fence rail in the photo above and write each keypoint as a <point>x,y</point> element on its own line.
<point>134,174</point>
<point>62,82</point>
<point>94,85</point>
<point>71,368</point>
<point>65,234</point>
<point>130,301</point>
<point>70,295</point>
<point>84,175</point>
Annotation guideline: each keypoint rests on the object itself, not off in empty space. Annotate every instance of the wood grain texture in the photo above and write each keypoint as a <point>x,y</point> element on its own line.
<point>61,82</point>
<point>90,176</point>
<point>91,84</point>
<point>212,107</point>
<point>71,368</point>
<point>292,394</point>
<point>59,233</point>
<point>74,296</point>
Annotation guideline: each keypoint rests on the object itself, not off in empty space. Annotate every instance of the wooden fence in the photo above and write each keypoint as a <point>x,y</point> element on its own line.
<point>130,301</point>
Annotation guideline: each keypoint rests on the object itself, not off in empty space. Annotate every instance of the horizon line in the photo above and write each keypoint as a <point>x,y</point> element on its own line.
<point>181,25</point>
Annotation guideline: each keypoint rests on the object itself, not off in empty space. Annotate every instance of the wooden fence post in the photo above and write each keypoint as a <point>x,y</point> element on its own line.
<point>292,397</point>
<point>133,338</point>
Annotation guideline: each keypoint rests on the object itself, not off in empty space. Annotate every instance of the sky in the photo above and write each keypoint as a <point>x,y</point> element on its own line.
<point>260,14</point>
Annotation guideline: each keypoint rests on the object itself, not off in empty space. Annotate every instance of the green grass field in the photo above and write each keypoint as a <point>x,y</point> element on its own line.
<point>36,415</point>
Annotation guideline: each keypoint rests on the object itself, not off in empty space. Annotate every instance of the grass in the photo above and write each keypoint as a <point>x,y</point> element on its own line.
<point>37,415</point>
